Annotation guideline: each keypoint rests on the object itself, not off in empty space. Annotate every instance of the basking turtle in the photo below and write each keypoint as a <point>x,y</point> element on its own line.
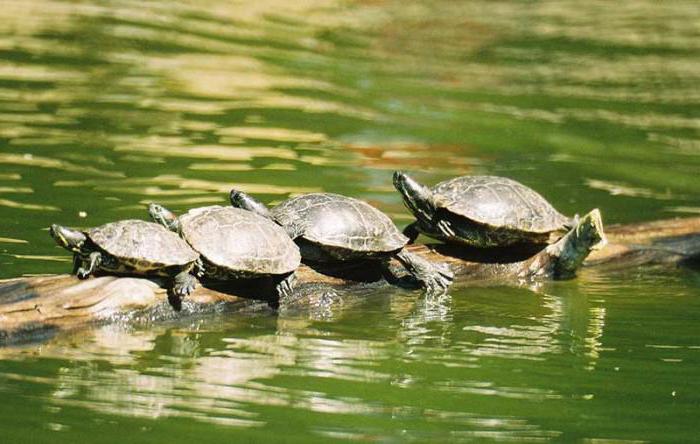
<point>329,227</point>
<point>480,211</point>
<point>129,247</point>
<point>234,244</point>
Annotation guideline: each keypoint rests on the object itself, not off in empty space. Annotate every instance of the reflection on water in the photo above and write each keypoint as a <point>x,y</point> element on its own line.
<point>107,107</point>
<point>220,379</point>
<point>482,363</point>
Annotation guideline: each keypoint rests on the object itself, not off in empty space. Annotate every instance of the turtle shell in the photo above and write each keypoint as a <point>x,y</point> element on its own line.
<point>339,221</point>
<point>498,202</point>
<point>139,242</point>
<point>239,240</point>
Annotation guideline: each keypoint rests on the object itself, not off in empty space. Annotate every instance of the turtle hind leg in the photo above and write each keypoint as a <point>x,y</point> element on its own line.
<point>434,277</point>
<point>95,259</point>
<point>572,222</point>
<point>184,283</point>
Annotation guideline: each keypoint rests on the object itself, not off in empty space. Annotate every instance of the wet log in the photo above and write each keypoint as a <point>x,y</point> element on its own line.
<point>37,308</point>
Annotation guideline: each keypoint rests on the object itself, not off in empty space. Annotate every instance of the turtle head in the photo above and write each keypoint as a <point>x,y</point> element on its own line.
<point>418,198</point>
<point>164,217</point>
<point>241,200</point>
<point>71,240</point>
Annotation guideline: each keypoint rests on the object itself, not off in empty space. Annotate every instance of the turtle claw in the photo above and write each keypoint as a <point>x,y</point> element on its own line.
<point>82,273</point>
<point>435,278</point>
<point>439,281</point>
<point>184,284</point>
<point>286,287</point>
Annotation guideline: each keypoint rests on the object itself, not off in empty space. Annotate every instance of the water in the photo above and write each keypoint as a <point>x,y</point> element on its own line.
<point>107,106</point>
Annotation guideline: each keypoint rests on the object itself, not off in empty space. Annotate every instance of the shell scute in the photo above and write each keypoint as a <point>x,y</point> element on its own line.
<point>340,221</point>
<point>140,244</point>
<point>240,240</point>
<point>498,202</point>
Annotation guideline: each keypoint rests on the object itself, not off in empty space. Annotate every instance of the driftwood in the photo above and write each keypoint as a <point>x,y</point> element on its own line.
<point>36,308</point>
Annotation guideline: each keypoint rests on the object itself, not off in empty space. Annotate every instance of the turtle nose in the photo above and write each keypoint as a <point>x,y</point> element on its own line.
<point>235,197</point>
<point>398,177</point>
<point>55,231</point>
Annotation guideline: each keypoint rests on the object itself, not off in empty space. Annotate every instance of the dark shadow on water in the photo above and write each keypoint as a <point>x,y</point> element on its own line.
<point>365,274</point>
<point>356,271</point>
<point>692,262</point>
<point>500,255</point>
<point>33,333</point>
<point>259,289</point>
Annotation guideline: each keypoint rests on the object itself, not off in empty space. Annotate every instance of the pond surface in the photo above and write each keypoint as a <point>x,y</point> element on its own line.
<point>107,106</point>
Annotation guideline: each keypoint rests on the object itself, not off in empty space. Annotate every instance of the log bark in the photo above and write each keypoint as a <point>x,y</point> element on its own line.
<point>36,308</point>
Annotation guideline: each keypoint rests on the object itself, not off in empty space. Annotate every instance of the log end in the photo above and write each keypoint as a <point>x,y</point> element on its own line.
<point>569,252</point>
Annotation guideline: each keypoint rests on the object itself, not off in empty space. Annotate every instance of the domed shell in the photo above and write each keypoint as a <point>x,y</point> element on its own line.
<point>340,221</point>
<point>138,241</point>
<point>499,202</point>
<point>240,240</point>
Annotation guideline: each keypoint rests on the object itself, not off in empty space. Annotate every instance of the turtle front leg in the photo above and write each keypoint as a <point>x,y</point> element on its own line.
<point>94,262</point>
<point>184,283</point>
<point>434,277</point>
<point>285,287</point>
<point>77,262</point>
<point>411,232</point>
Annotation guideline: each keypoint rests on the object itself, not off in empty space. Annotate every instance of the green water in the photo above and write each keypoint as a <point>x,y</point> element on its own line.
<point>107,106</point>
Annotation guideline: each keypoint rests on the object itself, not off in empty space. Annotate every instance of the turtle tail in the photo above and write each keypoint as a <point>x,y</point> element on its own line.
<point>571,223</point>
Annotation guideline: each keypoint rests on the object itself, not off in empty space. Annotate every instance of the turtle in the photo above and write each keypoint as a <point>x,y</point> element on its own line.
<point>129,247</point>
<point>234,244</point>
<point>480,211</point>
<point>333,228</point>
